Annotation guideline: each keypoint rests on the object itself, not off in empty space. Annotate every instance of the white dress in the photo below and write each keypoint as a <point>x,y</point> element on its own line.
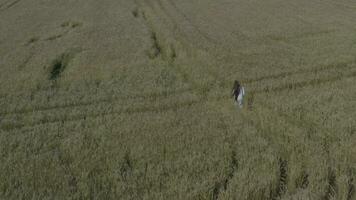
<point>240,97</point>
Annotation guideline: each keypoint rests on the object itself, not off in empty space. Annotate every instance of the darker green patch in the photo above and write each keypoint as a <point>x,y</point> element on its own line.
<point>331,191</point>
<point>281,187</point>
<point>351,187</point>
<point>156,48</point>
<point>126,167</point>
<point>59,65</point>
<point>54,37</point>
<point>173,54</point>
<point>303,180</point>
<point>283,176</point>
<point>32,40</point>
<point>76,24</point>
<point>135,12</point>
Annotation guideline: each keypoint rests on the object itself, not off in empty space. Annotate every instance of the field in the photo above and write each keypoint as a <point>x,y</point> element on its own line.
<point>119,99</point>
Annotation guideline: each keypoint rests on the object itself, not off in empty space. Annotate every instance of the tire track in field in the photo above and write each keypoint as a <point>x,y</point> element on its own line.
<point>331,191</point>
<point>298,85</point>
<point>36,127</point>
<point>346,19</point>
<point>301,71</point>
<point>283,173</point>
<point>160,29</point>
<point>195,27</point>
<point>301,36</point>
<point>8,5</point>
<point>156,50</point>
<point>132,110</point>
<point>83,116</point>
<point>222,185</point>
<point>163,8</point>
<point>167,13</point>
<point>195,88</point>
<point>162,23</point>
<point>143,95</point>
<point>218,188</point>
<point>341,5</point>
<point>309,129</point>
<point>303,181</point>
<point>181,36</point>
<point>175,9</point>
<point>176,27</point>
<point>281,180</point>
<point>310,126</point>
<point>110,100</point>
<point>302,84</point>
<point>351,186</point>
<point>154,18</point>
<point>290,86</point>
<point>157,95</point>
<point>322,68</point>
<point>2,4</point>
<point>146,96</point>
<point>226,84</point>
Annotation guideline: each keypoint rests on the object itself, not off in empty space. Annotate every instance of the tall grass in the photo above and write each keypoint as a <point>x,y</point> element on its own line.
<point>143,110</point>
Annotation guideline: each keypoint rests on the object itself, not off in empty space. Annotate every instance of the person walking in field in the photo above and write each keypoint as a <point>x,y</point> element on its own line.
<point>238,92</point>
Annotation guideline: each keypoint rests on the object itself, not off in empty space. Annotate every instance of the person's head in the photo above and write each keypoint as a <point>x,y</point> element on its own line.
<point>236,84</point>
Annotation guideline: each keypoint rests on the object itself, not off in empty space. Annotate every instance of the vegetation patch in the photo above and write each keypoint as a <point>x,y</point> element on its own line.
<point>71,24</point>
<point>351,188</point>
<point>9,4</point>
<point>173,54</point>
<point>303,180</point>
<point>54,37</point>
<point>59,65</point>
<point>126,167</point>
<point>283,176</point>
<point>76,24</point>
<point>32,40</point>
<point>222,185</point>
<point>332,188</point>
<point>135,12</point>
<point>156,48</point>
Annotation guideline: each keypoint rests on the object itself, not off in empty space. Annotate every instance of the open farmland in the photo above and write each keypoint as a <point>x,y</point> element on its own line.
<point>130,99</point>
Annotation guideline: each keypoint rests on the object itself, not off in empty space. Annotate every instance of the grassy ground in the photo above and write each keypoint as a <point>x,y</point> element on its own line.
<point>131,99</point>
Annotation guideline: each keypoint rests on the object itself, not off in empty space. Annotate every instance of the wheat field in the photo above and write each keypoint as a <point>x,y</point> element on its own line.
<point>130,99</point>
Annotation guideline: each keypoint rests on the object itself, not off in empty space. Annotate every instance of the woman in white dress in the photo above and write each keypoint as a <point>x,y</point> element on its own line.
<point>238,92</point>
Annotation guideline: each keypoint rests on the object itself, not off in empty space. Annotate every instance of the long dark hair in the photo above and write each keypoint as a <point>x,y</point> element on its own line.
<point>236,88</point>
<point>236,85</point>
